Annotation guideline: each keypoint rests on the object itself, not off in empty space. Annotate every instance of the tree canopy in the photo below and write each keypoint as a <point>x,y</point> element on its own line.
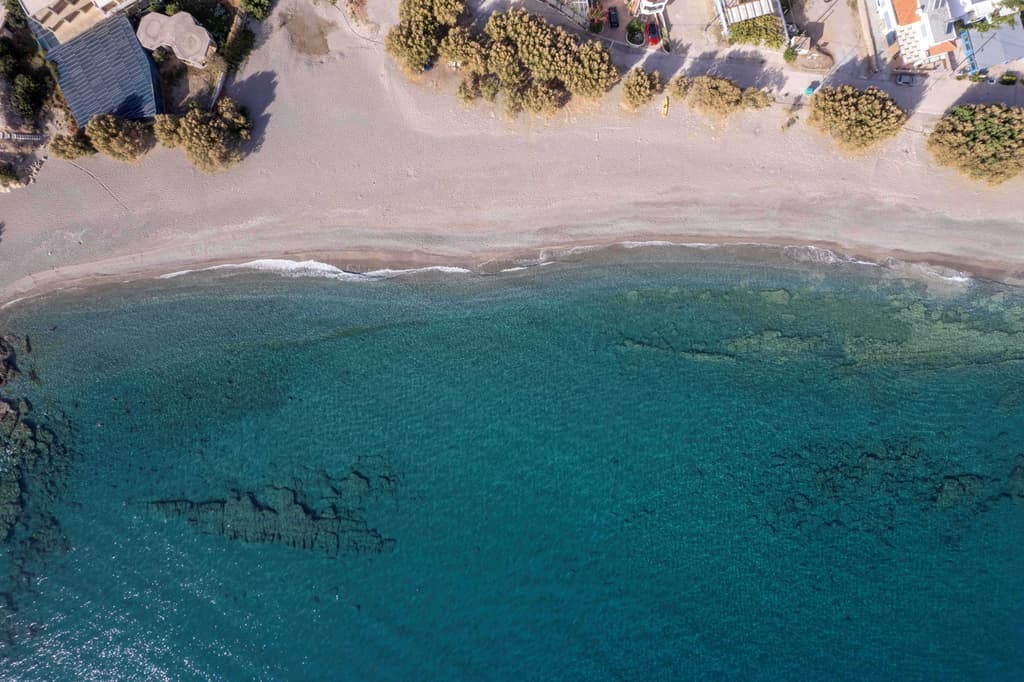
<point>118,138</point>
<point>982,141</point>
<point>856,119</point>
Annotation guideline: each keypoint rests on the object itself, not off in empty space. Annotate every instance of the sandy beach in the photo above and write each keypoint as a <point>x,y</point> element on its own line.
<point>356,165</point>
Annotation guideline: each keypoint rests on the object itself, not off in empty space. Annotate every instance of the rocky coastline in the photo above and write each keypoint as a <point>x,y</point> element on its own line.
<point>34,463</point>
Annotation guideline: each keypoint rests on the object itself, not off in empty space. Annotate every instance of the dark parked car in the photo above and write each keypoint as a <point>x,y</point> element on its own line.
<point>653,35</point>
<point>613,17</point>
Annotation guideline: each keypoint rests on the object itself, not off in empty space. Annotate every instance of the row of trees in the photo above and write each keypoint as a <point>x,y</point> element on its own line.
<point>535,66</point>
<point>712,96</point>
<point>211,140</point>
<point>982,141</point>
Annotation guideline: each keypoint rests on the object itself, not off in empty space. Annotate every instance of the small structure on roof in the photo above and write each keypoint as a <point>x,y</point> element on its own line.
<point>106,71</point>
<point>181,33</point>
<point>734,11</point>
<point>998,45</point>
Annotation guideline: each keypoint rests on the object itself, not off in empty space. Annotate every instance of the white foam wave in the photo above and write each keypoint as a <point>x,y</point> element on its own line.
<point>549,256</point>
<point>312,268</point>
<point>387,273</point>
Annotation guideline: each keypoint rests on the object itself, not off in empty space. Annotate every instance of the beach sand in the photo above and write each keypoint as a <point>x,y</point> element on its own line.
<point>357,166</point>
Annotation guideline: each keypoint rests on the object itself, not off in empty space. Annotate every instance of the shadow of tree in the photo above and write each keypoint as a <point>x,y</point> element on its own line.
<point>255,94</point>
<point>2,227</point>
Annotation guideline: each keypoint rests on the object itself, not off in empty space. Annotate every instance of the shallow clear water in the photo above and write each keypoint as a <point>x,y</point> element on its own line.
<point>599,470</point>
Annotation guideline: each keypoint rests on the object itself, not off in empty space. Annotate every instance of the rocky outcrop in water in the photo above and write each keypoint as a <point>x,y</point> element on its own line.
<point>333,523</point>
<point>33,461</point>
<point>876,490</point>
<point>8,361</point>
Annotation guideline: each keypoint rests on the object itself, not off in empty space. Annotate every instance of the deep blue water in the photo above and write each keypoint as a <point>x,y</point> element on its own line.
<point>615,469</point>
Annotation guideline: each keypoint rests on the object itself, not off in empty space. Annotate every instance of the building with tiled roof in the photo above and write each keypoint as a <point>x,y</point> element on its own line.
<point>924,30</point>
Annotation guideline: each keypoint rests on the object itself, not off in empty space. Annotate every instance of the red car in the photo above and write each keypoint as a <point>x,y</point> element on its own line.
<point>653,35</point>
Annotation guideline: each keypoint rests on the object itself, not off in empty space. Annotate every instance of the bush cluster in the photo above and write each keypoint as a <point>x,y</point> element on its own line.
<point>856,119</point>
<point>238,47</point>
<point>719,97</point>
<point>24,71</point>
<point>639,87</point>
<point>16,18</point>
<point>532,64</point>
<point>7,174</point>
<point>764,30</point>
<point>982,141</point>
<point>118,138</point>
<point>27,96</point>
<point>257,9</point>
<point>422,24</point>
<point>71,146</point>
<point>212,140</point>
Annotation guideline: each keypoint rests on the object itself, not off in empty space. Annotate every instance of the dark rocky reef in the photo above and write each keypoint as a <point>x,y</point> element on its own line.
<point>8,361</point>
<point>325,515</point>
<point>878,489</point>
<point>34,463</point>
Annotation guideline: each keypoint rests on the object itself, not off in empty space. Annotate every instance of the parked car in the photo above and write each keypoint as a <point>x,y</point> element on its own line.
<point>613,17</point>
<point>653,35</point>
<point>909,79</point>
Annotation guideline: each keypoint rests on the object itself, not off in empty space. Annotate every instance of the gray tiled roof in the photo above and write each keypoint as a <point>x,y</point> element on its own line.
<point>106,71</point>
<point>1000,45</point>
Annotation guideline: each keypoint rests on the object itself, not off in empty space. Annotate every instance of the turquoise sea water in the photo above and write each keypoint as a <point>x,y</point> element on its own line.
<point>645,465</point>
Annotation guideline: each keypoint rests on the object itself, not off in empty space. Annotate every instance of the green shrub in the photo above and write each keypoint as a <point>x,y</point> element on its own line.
<point>71,146</point>
<point>763,30</point>
<point>27,96</point>
<point>118,138</point>
<point>679,86</point>
<point>257,9</point>
<point>165,130</point>
<point>16,18</point>
<point>856,119</point>
<point>639,87</point>
<point>715,96</point>
<point>212,140</point>
<point>7,174</point>
<point>463,48</point>
<point>469,89</point>
<point>414,42</point>
<point>237,49</point>
<point>789,54</point>
<point>756,98</point>
<point>982,141</point>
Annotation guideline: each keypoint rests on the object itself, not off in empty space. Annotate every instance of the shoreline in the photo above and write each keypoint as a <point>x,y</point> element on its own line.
<point>381,264</point>
<point>405,176</point>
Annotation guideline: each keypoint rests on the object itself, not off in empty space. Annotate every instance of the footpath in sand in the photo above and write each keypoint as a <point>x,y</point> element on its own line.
<point>355,164</point>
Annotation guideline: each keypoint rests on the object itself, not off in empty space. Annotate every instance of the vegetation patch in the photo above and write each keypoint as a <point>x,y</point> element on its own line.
<point>257,9</point>
<point>71,147</point>
<point>118,138</point>
<point>982,141</point>
<point>236,50</point>
<point>533,65</point>
<point>211,140</point>
<point>764,30</point>
<point>719,97</point>
<point>8,175</point>
<point>856,119</point>
<point>639,87</point>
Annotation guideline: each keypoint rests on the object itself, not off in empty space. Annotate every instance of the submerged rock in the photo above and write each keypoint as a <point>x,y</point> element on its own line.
<point>278,514</point>
<point>8,361</point>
